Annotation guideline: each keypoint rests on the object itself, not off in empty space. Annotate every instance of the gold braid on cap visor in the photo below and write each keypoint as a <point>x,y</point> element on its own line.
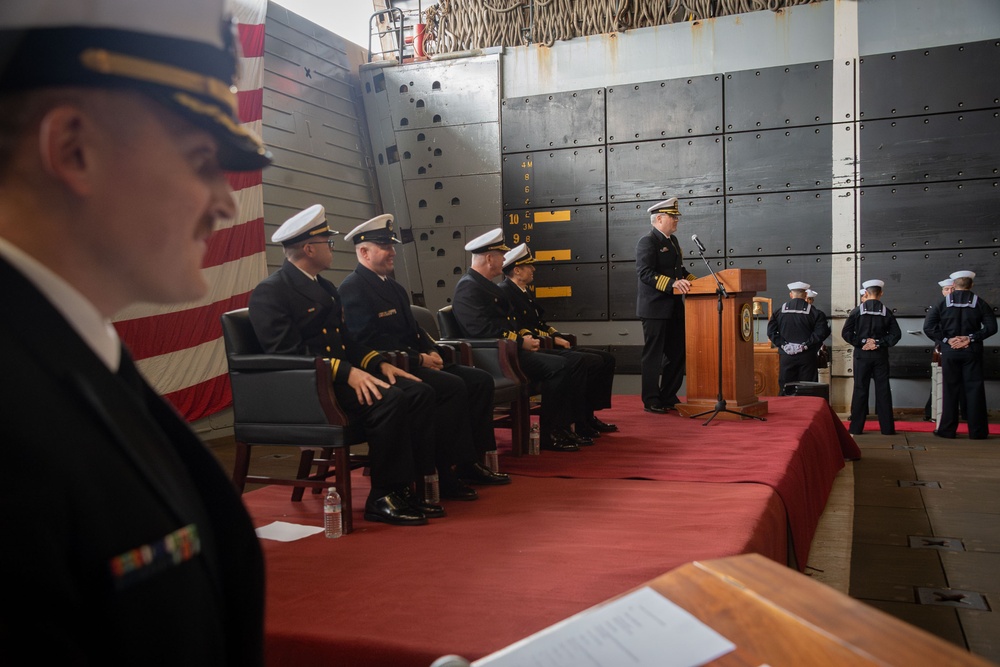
<point>141,69</point>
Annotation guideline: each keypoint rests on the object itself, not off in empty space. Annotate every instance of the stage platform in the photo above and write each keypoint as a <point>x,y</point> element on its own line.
<point>572,530</point>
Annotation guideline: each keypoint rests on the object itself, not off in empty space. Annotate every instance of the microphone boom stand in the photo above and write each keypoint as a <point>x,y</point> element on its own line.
<point>720,405</point>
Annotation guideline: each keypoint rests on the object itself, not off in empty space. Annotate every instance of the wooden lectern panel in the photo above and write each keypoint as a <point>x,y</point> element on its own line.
<point>702,336</point>
<point>777,616</point>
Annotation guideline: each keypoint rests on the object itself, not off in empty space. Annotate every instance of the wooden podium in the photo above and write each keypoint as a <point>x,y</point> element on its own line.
<point>702,340</point>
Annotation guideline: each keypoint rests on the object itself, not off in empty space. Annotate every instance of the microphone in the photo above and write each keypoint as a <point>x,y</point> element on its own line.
<point>701,246</point>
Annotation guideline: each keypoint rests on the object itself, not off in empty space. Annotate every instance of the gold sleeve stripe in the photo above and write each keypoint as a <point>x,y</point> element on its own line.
<point>368,357</point>
<point>552,331</point>
<point>661,283</point>
<point>510,335</point>
<point>691,276</point>
<point>334,366</point>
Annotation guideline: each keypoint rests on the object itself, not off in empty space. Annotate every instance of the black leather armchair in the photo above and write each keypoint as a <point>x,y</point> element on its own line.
<point>287,400</point>
<point>499,358</point>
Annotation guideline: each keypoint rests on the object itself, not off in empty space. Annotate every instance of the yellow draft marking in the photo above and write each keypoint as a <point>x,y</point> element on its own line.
<point>553,292</point>
<point>552,216</point>
<point>553,255</point>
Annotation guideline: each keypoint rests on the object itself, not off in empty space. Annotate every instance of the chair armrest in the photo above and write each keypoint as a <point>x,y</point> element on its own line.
<point>270,362</point>
<point>457,351</point>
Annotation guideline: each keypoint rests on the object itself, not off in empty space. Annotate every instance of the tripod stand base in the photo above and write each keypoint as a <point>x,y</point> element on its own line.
<point>704,407</point>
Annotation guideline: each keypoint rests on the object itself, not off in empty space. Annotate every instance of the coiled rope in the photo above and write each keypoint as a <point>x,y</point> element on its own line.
<point>462,25</point>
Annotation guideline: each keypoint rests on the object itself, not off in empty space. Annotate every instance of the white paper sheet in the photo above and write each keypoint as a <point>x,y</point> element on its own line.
<point>282,531</point>
<point>641,629</point>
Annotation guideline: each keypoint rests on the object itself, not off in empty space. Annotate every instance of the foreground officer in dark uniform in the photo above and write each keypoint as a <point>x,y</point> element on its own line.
<point>872,329</point>
<point>377,312</point>
<point>959,324</point>
<point>483,311</point>
<point>295,310</point>
<point>659,266</point>
<point>137,551</point>
<point>796,329</point>
<point>598,366</point>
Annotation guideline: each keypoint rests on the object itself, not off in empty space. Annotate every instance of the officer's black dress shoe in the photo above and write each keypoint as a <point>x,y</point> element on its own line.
<point>477,473</point>
<point>429,510</point>
<point>393,509</point>
<point>586,431</point>
<point>453,488</point>
<point>558,441</point>
<point>656,408</point>
<point>944,435</point>
<point>579,440</point>
<point>599,426</point>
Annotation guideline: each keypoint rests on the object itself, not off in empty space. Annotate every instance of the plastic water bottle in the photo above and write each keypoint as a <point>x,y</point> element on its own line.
<point>534,440</point>
<point>432,490</point>
<point>492,461</point>
<point>333,525</point>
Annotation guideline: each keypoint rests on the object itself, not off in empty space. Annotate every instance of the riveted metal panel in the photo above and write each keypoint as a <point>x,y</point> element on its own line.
<point>664,109</point>
<point>558,120</point>
<point>443,260</point>
<point>813,269</point>
<point>453,201</point>
<point>703,216</point>
<point>777,223</point>
<point>435,94</point>
<point>554,178</point>
<point>623,283</point>
<point>921,149</point>
<point>772,97</point>
<point>660,169</point>
<point>622,290</point>
<point>911,277</point>
<point>935,80</point>
<point>799,158</point>
<point>572,291</point>
<point>949,214</point>
<point>910,362</point>
<point>574,234</point>
<point>456,150</point>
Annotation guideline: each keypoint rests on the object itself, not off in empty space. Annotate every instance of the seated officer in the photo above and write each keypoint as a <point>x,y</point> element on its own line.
<point>377,313</point>
<point>482,310</point>
<point>872,329</point>
<point>295,310</point>
<point>598,366</point>
<point>795,329</point>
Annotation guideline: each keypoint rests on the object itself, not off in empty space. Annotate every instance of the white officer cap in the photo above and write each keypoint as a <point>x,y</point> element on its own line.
<point>181,53</point>
<point>797,286</point>
<point>302,226</point>
<point>492,240</point>
<point>963,274</point>
<point>517,256</point>
<point>872,283</point>
<point>665,206</point>
<point>812,294</point>
<point>947,282</point>
<point>377,230</point>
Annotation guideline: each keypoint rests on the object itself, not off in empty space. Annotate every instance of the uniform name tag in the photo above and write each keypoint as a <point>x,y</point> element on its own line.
<point>387,313</point>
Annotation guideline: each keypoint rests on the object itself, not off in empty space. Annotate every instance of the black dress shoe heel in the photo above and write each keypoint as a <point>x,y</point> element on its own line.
<point>579,440</point>
<point>477,473</point>
<point>454,489</point>
<point>393,509</point>
<point>429,510</point>
<point>559,441</point>
<point>600,426</point>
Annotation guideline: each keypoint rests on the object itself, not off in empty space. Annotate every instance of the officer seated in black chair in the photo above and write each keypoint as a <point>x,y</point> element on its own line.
<point>482,310</point>
<point>598,365</point>
<point>296,310</point>
<point>377,312</point>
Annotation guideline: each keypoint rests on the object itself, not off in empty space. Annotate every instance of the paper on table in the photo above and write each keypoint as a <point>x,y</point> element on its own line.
<point>641,629</point>
<point>283,531</point>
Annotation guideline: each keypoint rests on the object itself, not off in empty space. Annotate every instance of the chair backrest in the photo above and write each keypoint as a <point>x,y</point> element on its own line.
<point>238,333</point>
<point>448,324</point>
<point>426,321</point>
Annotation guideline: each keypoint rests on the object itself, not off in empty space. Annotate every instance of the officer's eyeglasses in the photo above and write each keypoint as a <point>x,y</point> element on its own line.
<point>326,243</point>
